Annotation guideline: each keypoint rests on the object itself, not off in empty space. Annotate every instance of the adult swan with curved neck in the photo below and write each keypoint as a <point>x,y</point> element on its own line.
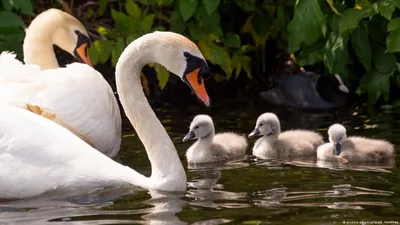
<point>37,155</point>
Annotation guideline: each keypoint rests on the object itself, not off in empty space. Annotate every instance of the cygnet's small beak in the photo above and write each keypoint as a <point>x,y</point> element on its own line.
<point>189,136</point>
<point>337,148</point>
<point>81,53</point>
<point>196,83</point>
<point>254,133</point>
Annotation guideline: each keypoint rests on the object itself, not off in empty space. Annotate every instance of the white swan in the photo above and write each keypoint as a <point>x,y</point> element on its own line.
<point>37,155</point>
<point>76,97</point>
<point>211,147</point>
<point>353,149</point>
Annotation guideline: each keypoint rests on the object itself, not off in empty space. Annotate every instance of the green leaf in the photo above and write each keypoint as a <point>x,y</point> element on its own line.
<point>25,6</point>
<point>147,23</point>
<point>311,55</point>
<point>246,5</point>
<point>103,50</point>
<point>102,7</point>
<point>94,55</point>
<point>117,50</point>
<point>187,8</point>
<point>376,84</point>
<point>216,55</point>
<point>349,20</point>
<point>10,19</point>
<point>232,40</point>
<point>307,25</point>
<point>336,53</point>
<point>393,24</point>
<point>7,4</point>
<point>158,28</point>
<point>177,23</point>
<point>393,41</point>
<point>162,75</point>
<point>384,62</point>
<point>133,9</point>
<point>131,38</point>
<point>195,32</point>
<point>240,62</point>
<point>211,5</point>
<point>396,3</point>
<point>386,8</point>
<point>210,24</point>
<point>107,32</point>
<point>360,40</point>
<point>123,23</point>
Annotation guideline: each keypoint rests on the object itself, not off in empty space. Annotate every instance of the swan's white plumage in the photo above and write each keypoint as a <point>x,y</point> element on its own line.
<point>78,96</point>
<point>37,155</point>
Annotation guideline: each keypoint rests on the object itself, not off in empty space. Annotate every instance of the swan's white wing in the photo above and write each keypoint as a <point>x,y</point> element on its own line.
<point>12,69</point>
<point>77,97</point>
<point>80,99</point>
<point>38,155</point>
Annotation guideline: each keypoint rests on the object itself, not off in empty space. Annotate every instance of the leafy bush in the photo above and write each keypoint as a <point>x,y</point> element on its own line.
<point>11,24</point>
<point>360,41</point>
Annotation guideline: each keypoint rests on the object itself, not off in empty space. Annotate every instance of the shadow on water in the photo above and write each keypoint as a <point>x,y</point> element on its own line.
<point>245,191</point>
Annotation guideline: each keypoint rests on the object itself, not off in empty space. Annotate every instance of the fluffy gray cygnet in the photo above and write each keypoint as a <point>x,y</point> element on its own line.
<point>353,149</point>
<point>211,147</point>
<point>274,144</point>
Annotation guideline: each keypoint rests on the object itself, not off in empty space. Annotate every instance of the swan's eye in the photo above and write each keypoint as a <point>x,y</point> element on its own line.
<point>77,32</point>
<point>187,55</point>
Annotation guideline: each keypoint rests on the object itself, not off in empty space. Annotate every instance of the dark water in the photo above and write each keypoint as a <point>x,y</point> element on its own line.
<point>248,191</point>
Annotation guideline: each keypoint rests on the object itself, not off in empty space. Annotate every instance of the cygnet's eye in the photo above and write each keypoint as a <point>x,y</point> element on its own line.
<point>260,125</point>
<point>196,127</point>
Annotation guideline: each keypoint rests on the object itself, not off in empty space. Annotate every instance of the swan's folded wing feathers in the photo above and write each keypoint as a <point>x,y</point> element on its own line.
<point>70,105</point>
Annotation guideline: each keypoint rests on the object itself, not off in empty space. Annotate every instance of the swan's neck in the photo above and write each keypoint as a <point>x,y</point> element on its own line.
<point>167,169</point>
<point>38,49</point>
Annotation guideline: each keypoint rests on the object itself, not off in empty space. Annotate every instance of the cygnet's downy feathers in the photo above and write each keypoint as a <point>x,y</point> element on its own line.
<point>274,144</point>
<point>211,147</point>
<point>353,149</point>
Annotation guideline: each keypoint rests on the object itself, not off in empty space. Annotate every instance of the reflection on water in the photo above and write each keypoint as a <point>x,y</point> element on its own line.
<point>244,191</point>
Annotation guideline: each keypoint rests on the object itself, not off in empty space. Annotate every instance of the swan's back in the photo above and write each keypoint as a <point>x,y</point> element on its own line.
<point>38,155</point>
<point>358,149</point>
<point>224,147</point>
<point>289,144</point>
<point>76,97</point>
<point>229,144</point>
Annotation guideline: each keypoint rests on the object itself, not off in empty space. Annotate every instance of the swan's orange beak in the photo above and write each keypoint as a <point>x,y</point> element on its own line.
<point>195,82</point>
<point>82,54</point>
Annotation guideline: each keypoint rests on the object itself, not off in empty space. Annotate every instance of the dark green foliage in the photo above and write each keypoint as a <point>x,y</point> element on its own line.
<point>360,42</point>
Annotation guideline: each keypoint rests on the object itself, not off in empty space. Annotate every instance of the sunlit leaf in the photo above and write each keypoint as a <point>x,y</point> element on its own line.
<point>10,19</point>
<point>147,23</point>
<point>386,8</point>
<point>393,41</point>
<point>117,50</point>
<point>211,5</point>
<point>133,9</point>
<point>103,50</point>
<point>360,40</point>
<point>393,24</point>
<point>122,22</point>
<point>307,25</point>
<point>106,32</point>
<point>162,75</point>
<point>187,8</point>
<point>350,19</point>
<point>336,53</point>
